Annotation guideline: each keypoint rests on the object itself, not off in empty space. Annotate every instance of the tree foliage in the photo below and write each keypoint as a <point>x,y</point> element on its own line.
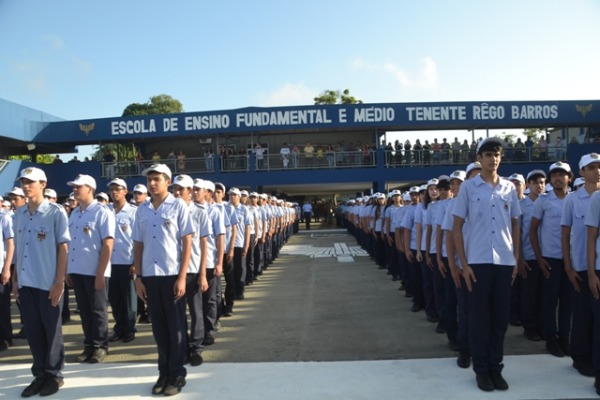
<point>336,97</point>
<point>156,105</point>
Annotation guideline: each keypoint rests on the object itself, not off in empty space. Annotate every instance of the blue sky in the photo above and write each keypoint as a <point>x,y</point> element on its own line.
<point>79,60</point>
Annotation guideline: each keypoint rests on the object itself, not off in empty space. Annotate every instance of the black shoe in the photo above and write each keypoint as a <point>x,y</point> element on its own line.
<point>584,368</point>
<point>130,337</point>
<point>85,356</point>
<point>3,345</point>
<point>440,328</point>
<point>515,322</point>
<point>463,360</point>
<point>20,335</point>
<point>498,381</point>
<point>531,334</point>
<point>66,320</point>
<point>484,382</point>
<point>227,313</point>
<point>394,279</point>
<point>432,319</point>
<point>208,340</point>
<point>144,319</point>
<point>51,386</point>
<point>159,386</point>
<point>98,356</point>
<point>115,337</point>
<point>34,387</point>
<point>415,308</point>
<point>553,348</point>
<point>195,358</point>
<point>174,386</point>
<point>240,296</point>
<point>401,288</point>
<point>408,295</point>
<point>565,346</point>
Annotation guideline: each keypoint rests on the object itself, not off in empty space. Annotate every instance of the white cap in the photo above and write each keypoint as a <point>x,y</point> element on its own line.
<point>396,193</point>
<point>536,172</point>
<point>118,182</point>
<point>589,159</point>
<point>379,196</point>
<point>71,196</point>
<point>578,182</point>
<point>560,165</point>
<point>219,185</point>
<point>184,181</point>
<point>517,177</point>
<point>102,195</point>
<point>82,180</point>
<point>160,168</point>
<point>140,188</point>
<point>263,196</point>
<point>33,174</point>
<point>443,178</point>
<point>244,192</point>
<point>50,193</point>
<point>234,190</point>
<point>406,197</point>
<point>6,203</point>
<point>548,187</point>
<point>253,194</point>
<point>413,189</point>
<point>492,139</point>
<point>423,188</point>
<point>432,182</point>
<point>17,191</point>
<point>472,166</point>
<point>458,174</point>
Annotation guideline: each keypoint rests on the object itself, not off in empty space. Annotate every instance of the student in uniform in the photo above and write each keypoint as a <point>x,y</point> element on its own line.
<point>140,196</point>
<point>162,237</point>
<point>574,248</point>
<point>390,232</point>
<point>545,234</point>
<point>7,248</point>
<point>121,289</point>
<point>415,284</point>
<point>428,198</point>
<point>488,256</point>
<point>531,274</point>
<point>215,244</point>
<point>592,222</point>
<point>92,230</point>
<point>196,282</point>
<point>42,235</point>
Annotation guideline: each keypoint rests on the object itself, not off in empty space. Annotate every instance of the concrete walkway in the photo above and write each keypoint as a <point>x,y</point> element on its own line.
<point>323,322</point>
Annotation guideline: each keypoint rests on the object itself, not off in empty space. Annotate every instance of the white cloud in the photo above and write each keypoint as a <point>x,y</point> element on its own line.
<point>287,95</point>
<point>424,77</point>
<point>55,42</point>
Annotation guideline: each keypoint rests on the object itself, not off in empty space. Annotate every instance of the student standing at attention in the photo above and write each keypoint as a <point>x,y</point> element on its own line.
<point>488,256</point>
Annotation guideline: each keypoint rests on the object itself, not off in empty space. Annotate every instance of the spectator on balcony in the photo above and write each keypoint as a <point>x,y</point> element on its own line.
<point>295,156</point>
<point>543,148</point>
<point>181,161</point>
<point>559,149</point>
<point>472,151</point>
<point>57,160</point>
<point>259,153</point>
<point>155,157</point>
<point>74,159</point>
<point>329,153</point>
<point>407,152</point>
<point>388,153</point>
<point>455,151</point>
<point>519,150</point>
<point>417,149</point>
<point>109,164</point>
<point>398,148</point>
<point>436,147</point>
<point>529,148</point>
<point>209,158</point>
<point>445,151</point>
<point>285,155</point>
<point>427,153</point>
<point>308,154</point>
<point>319,155</point>
<point>464,152</point>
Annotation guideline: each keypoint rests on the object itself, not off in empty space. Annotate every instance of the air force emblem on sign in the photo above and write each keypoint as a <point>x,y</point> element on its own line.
<point>87,128</point>
<point>583,110</point>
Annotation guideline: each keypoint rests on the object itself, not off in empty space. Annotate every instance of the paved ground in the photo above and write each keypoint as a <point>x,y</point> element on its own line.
<point>323,322</point>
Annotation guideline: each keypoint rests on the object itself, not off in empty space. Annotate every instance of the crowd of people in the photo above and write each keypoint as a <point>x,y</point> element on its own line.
<point>477,251</point>
<point>170,247</point>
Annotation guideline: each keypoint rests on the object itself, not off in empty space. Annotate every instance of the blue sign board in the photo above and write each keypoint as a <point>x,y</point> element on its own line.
<point>384,116</point>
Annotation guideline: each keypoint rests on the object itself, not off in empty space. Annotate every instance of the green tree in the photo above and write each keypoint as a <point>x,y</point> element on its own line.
<point>156,105</point>
<point>336,97</point>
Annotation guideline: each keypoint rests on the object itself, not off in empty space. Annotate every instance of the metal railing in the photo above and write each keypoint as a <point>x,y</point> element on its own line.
<point>329,160</point>
<point>403,158</point>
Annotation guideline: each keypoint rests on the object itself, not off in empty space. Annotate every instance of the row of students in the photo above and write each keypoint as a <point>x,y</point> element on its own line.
<point>170,250</point>
<point>497,232</point>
